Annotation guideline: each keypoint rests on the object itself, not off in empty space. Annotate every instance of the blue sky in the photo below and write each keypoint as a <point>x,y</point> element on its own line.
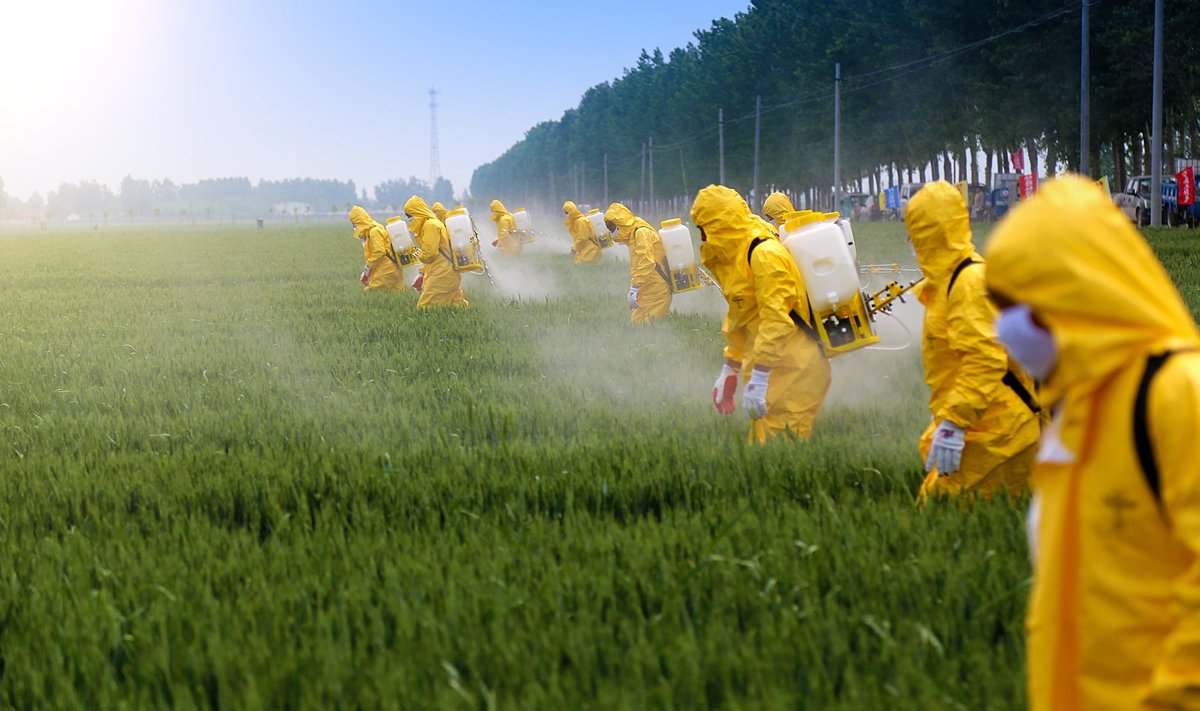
<point>270,89</point>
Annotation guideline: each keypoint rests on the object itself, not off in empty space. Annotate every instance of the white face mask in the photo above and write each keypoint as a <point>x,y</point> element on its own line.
<point>1030,344</point>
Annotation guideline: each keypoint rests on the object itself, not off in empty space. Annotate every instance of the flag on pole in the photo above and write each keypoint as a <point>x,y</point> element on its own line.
<point>1028,186</point>
<point>1018,160</point>
<point>1186,179</point>
<point>892,197</point>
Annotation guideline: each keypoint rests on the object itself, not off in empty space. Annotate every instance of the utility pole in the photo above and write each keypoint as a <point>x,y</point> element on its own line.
<point>756,201</point>
<point>651,152</point>
<point>837,136</point>
<point>683,171</point>
<point>1156,119</point>
<point>435,162</point>
<point>642,191</point>
<point>606,203</point>
<point>721,146</point>
<point>1085,137</point>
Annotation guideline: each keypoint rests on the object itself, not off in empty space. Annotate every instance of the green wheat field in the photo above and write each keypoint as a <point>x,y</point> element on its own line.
<point>229,478</point>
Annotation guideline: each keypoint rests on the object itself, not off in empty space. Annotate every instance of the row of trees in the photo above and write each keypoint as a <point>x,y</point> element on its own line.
<point>220,198</point>
<point>929,90</point>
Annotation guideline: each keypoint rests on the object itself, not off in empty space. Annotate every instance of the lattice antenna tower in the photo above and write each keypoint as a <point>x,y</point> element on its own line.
<point>435,160</point>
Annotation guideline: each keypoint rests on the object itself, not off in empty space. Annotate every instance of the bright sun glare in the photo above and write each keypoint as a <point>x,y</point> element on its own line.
<point>52,45</point>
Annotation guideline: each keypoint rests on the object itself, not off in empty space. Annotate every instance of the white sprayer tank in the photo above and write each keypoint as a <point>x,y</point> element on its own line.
<point>524,226</point>
<point>521,218</point>
<point>820,250</point>
<point>402,241</point>
<point>681,256</point>
<point>602,235</point>
<point>462,246</point>
<point>843,224</point>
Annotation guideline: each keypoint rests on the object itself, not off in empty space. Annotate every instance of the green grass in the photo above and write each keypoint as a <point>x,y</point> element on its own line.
<point>230,478</point>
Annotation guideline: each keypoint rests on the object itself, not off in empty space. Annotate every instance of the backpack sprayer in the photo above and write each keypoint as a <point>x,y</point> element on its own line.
<point>603,238</point>
<point>402,242</point>
<point>683,272</point>
<point>465,253</point>
<point>841,312</point>
<point>525,232</point>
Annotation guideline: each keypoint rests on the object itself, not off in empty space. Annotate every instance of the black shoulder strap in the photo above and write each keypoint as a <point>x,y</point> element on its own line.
<point>1141,427</point>
<point>1012,381</point>
<point>958,270</point>
<point>802,323</point>
<point>753,246</point>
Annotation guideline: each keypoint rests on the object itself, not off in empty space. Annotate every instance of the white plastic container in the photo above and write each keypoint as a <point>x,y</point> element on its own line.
<point>463,250</point>
<point>402,241</point>
<point>681,256</point>
<point>820,250</point>
<point>848,234</point>
<point>843,224</point>
<point>602,234</point>
<point>524,226</point>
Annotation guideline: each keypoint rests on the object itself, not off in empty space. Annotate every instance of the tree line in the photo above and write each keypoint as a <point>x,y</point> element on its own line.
<point>219,198</point>
<point>929,90</point>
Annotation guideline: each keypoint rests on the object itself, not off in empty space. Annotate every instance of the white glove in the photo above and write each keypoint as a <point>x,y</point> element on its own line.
<point>631,298</point>
<point>945,452</point>
<point>365,277</point>
<point>754,397</point>
<point>724,389</point>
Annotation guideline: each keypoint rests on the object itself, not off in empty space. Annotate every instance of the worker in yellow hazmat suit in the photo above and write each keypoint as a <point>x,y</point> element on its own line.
<point>584,244</point>
<point>382,270</point>
<point>985,426</point>
<point>649,294</point>
<point>776,208</point>
<point>1114,615</point>
<point>767,332</point>
<point>506,230</point>
<point>439,211</point>
<point>442,285</point>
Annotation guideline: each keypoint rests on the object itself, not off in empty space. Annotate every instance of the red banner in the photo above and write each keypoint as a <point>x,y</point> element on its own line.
<point>1186,180</point>
<point>1018,160</point>
<point>1028,186</point>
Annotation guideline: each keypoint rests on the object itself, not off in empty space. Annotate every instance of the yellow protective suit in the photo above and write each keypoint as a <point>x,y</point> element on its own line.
<point>583,237</point>
<point>384,269</point>
<point>762,290</point>
<point>965,366</point>
<point>443,285</point>
<point>647,263</point>
<point>1114,615</point>
<point>506,230</point>
<point>776,207</point>
<point>439,211</point>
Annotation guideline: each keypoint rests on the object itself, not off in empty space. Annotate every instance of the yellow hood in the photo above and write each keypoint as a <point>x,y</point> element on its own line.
<point>940,229</point>
<point>728,226</point>
<point>1087,274</point>
<point>439,210</point>
<point>362,221</point>
<point>625,221</point>
<point>498,209</point>
<point>777,207</point>
<point>572,213</point>
<point>416,208</point>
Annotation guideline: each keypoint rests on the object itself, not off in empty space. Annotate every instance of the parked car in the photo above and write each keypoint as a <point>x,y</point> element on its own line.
<point>1134,200</point>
